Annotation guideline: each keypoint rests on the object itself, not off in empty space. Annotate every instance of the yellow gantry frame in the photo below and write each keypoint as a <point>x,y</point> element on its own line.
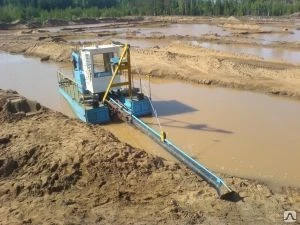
<point>122,65</point>
<point>126,65</point>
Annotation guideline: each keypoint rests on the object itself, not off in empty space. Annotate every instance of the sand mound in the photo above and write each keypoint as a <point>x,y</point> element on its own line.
<point>56,170</point>
<point>82,171</point>
<point>233,19</point>
<point>295,15</point>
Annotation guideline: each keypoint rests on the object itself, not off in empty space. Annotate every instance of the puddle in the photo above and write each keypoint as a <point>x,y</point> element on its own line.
<point>196,30</point>
<point>290,36</point>
<point>173,29</point>
<point>142,43</point>
<point>136,43</point>
<point>79,26</point>
<point>235,132</point>
<point>186,29</point>
<point>86,40</point>
<point>280,54</point>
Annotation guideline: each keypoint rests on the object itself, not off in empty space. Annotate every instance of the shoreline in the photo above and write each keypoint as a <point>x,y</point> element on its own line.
<point>47,158</point>
<point>158,19</point>
<point>60,52</point>
<point>203,66</point>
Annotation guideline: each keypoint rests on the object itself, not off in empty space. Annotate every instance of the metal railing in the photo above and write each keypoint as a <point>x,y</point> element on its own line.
<point>70,86</point>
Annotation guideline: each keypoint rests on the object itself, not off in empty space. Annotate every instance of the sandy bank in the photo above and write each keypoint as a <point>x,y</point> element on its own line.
<point>56,170</point>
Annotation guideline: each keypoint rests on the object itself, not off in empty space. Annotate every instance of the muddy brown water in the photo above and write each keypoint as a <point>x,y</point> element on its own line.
<point>136,43</point>
<point>268,53</point>
<point>32,79</point>
<point>280,54</point>
<point>172,29</point>
<point>291,35</point>
<point>197,30</point>
<point>236,132</point>
<point>193,30</point>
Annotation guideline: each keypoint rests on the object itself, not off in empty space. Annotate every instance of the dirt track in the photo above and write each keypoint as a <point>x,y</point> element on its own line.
<point>56,170</point>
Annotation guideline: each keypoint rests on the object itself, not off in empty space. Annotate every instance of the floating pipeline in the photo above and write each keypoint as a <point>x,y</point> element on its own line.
<point>222,189</point>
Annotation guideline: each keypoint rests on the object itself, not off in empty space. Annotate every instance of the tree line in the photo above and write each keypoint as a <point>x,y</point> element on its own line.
<point>41,10</point>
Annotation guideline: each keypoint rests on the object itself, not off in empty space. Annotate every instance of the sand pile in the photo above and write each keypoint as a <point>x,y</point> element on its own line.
<point>56,170</point>
<point>295,15</point>
<point>233,19</point>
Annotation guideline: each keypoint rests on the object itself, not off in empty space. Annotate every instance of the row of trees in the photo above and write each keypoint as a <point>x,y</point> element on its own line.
<point>60,4</point>
<point>69,9</point>
<point>213,7</point>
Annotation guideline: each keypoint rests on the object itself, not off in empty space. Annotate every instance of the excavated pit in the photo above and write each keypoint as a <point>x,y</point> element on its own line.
<point>23,106</point>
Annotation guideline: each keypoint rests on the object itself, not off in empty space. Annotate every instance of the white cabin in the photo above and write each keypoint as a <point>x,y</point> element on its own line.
<point>96,64</point>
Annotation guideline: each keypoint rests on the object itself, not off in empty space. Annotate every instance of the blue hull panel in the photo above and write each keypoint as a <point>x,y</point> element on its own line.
<point>139,107</point>
<point>94,116</point>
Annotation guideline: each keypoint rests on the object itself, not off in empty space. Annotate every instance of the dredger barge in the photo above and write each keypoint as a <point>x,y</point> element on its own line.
<point>101,90</point>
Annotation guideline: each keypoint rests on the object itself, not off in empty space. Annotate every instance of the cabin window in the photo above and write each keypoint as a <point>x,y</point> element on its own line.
<point>74,64</point>
<point>102,64</point>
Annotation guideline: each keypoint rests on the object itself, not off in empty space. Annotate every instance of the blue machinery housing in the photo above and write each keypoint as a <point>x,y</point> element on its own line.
<point>92,115</point>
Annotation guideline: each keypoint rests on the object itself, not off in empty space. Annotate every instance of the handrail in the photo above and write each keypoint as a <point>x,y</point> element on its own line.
<point>63,75</point>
